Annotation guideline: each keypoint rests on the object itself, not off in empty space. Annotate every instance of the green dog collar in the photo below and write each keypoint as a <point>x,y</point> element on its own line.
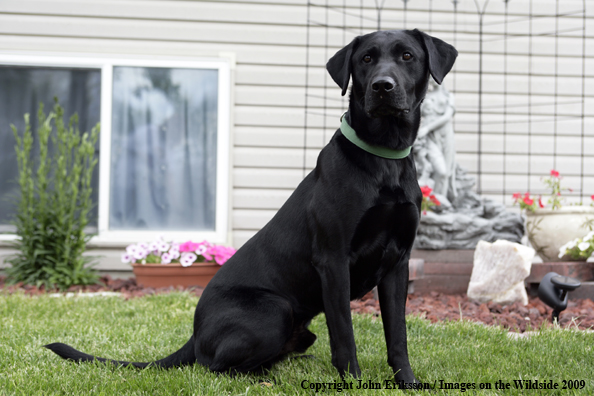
<point>379,151</point>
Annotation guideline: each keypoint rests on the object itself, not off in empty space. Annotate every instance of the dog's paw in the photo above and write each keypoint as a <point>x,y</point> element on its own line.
<point>405,377</point>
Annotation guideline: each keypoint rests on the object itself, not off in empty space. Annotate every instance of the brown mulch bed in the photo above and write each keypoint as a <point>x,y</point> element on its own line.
<point>438,307</point>
<point>434,306</point>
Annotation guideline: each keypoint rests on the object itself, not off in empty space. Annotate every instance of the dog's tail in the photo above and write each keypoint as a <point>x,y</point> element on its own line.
<point>184,356</point>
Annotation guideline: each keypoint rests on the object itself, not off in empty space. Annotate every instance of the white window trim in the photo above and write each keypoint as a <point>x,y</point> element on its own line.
<point>223,64</point>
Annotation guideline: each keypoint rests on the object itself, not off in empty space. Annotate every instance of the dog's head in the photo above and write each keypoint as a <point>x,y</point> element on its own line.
<point>389,67</point>
<point>390,72</point>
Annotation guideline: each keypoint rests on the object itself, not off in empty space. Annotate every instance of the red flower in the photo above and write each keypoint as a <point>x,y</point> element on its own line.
<point>592,197</point>
<point>554,173</point>
<point>528,201</point>
<point>435,200</point>
<point>517,196</point>
<point>426,190</point>
<point>540,202</point>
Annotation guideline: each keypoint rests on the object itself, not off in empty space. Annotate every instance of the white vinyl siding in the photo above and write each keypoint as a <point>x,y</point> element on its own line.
<point>268,41</point>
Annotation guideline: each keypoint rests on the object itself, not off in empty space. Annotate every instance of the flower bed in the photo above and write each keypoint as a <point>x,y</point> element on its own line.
<point>436,307</point>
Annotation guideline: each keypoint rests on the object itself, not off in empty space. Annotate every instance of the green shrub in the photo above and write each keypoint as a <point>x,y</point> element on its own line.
<point>55,203</point>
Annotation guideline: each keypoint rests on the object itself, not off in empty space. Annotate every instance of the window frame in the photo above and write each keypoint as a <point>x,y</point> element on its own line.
<point>106,64</point>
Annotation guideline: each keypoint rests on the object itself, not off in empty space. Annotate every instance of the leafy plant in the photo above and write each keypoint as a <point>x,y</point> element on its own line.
<point>429,199</point>
<point>527,202</point>
<point>579,248</point>
<point>55,203</point>
<point>553,182</point>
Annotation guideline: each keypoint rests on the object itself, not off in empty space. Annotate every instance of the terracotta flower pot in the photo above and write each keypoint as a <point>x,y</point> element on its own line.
<point>549,229</point>
<point>174,274</point>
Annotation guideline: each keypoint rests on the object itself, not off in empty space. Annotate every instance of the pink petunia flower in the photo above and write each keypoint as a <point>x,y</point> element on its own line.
<point>220,254</point>
<point>188,246</point>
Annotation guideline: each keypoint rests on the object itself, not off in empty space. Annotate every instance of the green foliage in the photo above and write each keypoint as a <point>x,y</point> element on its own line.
<point>55,203</point>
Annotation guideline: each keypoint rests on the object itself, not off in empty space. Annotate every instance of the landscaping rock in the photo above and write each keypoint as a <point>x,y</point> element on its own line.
<point>499,271</point>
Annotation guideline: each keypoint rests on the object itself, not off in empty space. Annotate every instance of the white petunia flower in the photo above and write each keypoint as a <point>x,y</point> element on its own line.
<point>140,254</point>
<point>584,246</point>
<point>174,253</point>
<point>187,259</point>
<point>201,250</point>
<point>163,246</point>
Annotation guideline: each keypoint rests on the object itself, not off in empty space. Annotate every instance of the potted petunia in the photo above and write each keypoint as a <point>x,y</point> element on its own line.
<point>162,264</point>
<point>580,248</point>
<point>551,225</point>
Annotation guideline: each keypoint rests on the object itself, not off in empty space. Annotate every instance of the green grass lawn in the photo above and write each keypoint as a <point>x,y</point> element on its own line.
<point>144,329</point>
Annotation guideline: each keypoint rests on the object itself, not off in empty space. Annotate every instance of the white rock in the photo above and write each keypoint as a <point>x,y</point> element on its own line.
<point>498,272</point>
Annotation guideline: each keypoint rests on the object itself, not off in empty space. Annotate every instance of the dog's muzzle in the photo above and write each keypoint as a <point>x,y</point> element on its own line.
<point>385,97</point>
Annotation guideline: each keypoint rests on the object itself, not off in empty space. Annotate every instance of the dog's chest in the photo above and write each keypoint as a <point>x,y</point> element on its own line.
<point>384,234</point>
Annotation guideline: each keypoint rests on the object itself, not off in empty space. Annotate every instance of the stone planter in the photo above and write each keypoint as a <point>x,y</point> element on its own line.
<point>549,229</point>
<point>174,274</point>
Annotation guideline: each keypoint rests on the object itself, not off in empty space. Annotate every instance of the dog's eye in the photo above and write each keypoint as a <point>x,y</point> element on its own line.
<point>407,56</point>
<point>367,59</point>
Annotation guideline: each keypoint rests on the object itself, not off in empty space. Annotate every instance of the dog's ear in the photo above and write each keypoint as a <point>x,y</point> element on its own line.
<point>339,66</point>
<point>440,55</point>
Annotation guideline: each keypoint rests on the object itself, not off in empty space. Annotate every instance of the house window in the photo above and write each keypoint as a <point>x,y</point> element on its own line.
<point>163,152</point>
<point>23,88</point>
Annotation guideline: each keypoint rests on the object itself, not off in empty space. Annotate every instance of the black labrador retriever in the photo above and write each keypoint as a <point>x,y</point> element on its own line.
<point>349,226</point>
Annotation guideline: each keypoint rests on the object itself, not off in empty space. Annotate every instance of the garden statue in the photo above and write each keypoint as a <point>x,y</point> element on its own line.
<point>434,148</point>
<point>463,217</point>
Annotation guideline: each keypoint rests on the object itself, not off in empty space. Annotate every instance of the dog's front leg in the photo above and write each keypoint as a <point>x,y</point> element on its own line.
<point>392,292</point>
<point>335,279</point>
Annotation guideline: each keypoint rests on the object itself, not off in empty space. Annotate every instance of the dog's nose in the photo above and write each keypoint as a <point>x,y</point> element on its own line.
<point>385,84</point>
